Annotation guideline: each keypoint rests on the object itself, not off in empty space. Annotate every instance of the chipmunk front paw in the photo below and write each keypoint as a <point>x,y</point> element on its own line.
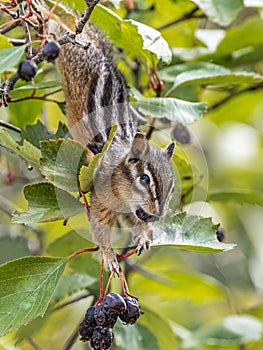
<point>144,241</point>
<point>110,259</point>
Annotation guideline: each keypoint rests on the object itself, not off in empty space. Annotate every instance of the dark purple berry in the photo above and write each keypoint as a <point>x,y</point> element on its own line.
<point>27,70</point>
<point>89,316</point>
<point>220,234</point>
<point>51,50</point>
<point>132,312</point>
<point>114,303</point>
<point>87,325</point>
<point>102,338</point>
<point>181,134</point>
<point>105,317</point>
<point>85,331</point>
<point>100,316</point>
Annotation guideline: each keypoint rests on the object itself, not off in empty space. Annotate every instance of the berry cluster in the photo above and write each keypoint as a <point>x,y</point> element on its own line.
<point>28,68</point>
<point>99,321</point>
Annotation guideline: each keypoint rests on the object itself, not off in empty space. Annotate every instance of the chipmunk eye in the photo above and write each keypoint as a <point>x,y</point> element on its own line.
<point>145,179</point>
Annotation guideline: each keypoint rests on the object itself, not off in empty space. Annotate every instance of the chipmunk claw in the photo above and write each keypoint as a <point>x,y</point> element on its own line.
<point>113,266</point>
<point>111,260</point>
<point>144,242</point>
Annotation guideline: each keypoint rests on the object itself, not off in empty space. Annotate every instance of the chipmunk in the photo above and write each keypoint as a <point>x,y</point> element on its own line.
<point>134,181</point>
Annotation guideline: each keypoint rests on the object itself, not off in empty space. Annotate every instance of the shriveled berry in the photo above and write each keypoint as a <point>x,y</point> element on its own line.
<point>27,70</point>
<point>102,338</point>
<point>181,134</point>
<point>100,316</point>
<point>51,50</point>
<point>132,312</point>
<point>87,325</point>
<point>89,316</point>
<point>105,318</point>
<point>114,303</point>
<point>85,331</point>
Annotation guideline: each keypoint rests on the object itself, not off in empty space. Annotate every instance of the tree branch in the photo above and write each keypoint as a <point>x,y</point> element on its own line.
<point>10,126</point>
<point>67,38</point>
<point>184,17</point>
<point>229,97</point>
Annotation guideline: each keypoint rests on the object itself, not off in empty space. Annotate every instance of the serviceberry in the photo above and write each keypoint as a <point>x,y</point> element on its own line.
<point>27,70</point>
<point>100,316</point>
<point>114,303</point>
<point>132,312</point>
<point>85,331</point>
<point>87,326</point>
<point>51,50</point>
<point>102,338</point>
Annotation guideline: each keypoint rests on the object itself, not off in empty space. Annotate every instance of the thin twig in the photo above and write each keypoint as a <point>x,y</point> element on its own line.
<point>229,97</point>
<point>71,340</point>
<point>10,126</point>
<point>74,336</point>
<point>90,4</point>
<point>184,17</point>
<point>67,38</point>
<point>72,301</point>
<point>29,167</point>
<point>33,344</point>
<point>19,19</point>
<point>9,28</point>
<point>27,32</point>
<point>17,42</point>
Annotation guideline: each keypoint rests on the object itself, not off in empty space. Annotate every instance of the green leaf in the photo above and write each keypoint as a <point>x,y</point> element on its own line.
<point>172,286</point>
<point>234,329</point>
<point>10,57</point>
<point>47,203</point>
<point>12,247</point>
<point>68,244</point>
<point>170,73</point>
<point>39,86</point>
<point>27,286</point>
<point>72,283</point>
<point>88,264</point>
<point>38,132</point>
<point>207,73</point>
<point>137,38</point>
<point>4,42</point>
<point>61,161</point>
<point>170,108</point>
<point>237,42</point>
<point>158,325</point>
<point>190,233</point>
<point>222,12</point>
<point>87,172</point>
<point>137,337</point>
<point>27,150</point>
<point>237,195</point>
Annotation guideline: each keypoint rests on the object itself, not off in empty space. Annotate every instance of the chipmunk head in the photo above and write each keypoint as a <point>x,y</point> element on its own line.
<point>146,179</point>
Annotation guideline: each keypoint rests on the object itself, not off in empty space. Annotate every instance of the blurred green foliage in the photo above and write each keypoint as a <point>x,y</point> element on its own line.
<point>191,300</point>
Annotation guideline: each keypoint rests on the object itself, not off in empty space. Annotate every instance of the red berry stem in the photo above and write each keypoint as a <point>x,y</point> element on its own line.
<point>152,82</point>
<point>101,282</point>
<point>86,250</point>
<point>127,255</point>
<point>108,283</point>
<point>86,204</point>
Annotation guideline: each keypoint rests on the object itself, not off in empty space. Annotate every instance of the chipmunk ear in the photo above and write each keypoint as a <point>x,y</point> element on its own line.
<point>139,147</point>
<point>169,150</point>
